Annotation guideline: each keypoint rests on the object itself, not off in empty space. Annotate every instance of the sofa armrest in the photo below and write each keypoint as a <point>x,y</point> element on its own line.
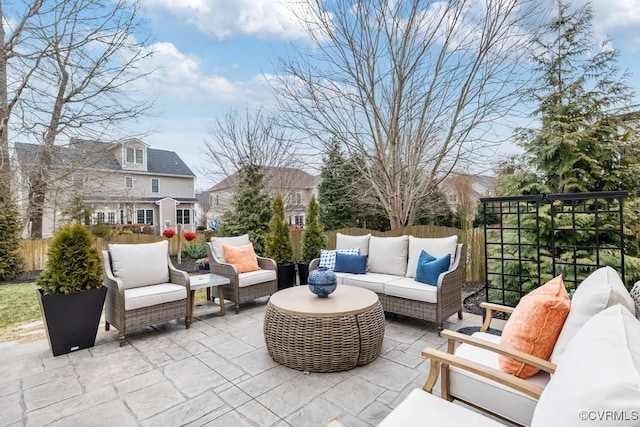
<point>110,281</point>
<point>314,264</point>
<point>442,360</point>
<point>488,314</point>
<point>456,337</point>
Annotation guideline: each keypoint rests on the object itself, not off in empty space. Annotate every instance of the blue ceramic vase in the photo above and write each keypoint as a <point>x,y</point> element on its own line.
<point>322,282</point>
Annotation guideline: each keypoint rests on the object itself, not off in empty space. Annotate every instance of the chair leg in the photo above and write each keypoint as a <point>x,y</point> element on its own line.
<point>460,314</point>
<point>121,340</point>
<point>107,326</point>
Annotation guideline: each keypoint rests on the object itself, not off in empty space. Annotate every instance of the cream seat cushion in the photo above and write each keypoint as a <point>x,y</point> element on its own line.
<point>420,409</point>
<point>140,265</point>
<point>436,247</point>
<point>601,289</point>
<point>253,277</point>
<point>599,372</point>
<point>147,296</point>
<point>218,242</point>
<point>490,394</point>
<point>410,289</point>
<point>375,282</point>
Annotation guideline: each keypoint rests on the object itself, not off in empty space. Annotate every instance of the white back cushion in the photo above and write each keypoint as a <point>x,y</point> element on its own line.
<point>601,289</point>
<point>388,255</point>
<point>140,265</point>
<point>436,247</point>
<point>217,243</point>
<point>344,241</point>
<point>598,377</point>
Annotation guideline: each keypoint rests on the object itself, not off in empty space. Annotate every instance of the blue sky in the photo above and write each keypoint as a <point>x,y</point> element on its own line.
<point>212,54</point>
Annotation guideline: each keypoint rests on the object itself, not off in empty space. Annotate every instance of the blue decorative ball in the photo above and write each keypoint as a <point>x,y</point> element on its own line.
<point>322,282</point>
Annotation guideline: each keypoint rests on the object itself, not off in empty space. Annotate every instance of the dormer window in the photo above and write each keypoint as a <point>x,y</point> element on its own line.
<point>135,155</point>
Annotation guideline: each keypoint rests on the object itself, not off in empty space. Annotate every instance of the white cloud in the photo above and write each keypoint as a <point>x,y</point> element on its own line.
<point>227,18</point>
<point>181,77</point>
<point>620,20</point>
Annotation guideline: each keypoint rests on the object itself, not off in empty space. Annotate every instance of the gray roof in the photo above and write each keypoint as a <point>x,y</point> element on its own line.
<point>296,177</point>
<point>101,155</point>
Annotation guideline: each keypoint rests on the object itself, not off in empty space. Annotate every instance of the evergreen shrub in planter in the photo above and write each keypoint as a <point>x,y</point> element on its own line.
<point>313,240</point>
<point>71,291</point>
<point>279,246</point>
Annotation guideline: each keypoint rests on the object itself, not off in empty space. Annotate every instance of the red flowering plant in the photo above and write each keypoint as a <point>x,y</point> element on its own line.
<point>189,236</point>
<point>168,233</point>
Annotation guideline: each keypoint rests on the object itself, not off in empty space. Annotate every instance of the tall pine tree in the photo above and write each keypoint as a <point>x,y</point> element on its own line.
<point>251,209</point>
<point>583,144</point>
<point>337,209</point>
<point>11,261</point>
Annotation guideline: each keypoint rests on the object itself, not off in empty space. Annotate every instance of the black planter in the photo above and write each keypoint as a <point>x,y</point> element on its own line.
<point>303,272</point>
<point>72,320</point>
<point>286,275</point>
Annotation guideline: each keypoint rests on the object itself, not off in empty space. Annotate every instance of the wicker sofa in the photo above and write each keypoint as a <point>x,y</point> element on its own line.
<point>391,269</point>
<point>595,381</point>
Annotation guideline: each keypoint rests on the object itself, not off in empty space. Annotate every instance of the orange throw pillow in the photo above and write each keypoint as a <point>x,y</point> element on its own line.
<point>534,326</point>
<point>242,257</point>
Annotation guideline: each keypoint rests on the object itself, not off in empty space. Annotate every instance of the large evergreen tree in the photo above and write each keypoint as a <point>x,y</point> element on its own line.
<point>251,209</point>
<point>337,209</point>
<point>11,261</point>
<point>583,142</point>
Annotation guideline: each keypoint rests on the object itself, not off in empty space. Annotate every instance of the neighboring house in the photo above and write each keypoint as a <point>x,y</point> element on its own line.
<point>463,192</point>
<point>124,182</point>
<point>295,186</point>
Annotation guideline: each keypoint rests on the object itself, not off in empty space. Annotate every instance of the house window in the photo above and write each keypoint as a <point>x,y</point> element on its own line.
<point>111,217</point>
<point>145,216</point>
<point>155,185</point>
<point>183,216</point>
<point>299,220</point>
<point>100,217</point>
<point>297,198</point>
<point>453,198</point>
<point>128,182</point>
<point>77,180</point>
<point>135,155</point>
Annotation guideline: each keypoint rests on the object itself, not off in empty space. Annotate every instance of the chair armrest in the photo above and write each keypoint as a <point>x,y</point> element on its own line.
<point>441,359</point>
<point>314,264</point>
<point>110,281</point>
<point>488,315</point>
<point>267,263</point>
<point>521,356</point>
<point>178,277</point>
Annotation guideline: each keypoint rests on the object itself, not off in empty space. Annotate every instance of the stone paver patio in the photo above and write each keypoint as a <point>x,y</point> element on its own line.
<point>217,373</point>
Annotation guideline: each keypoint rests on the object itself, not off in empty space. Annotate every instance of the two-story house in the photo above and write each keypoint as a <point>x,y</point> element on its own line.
<point>123,182</point>
<point>296,187</point>
<point>464,191</point>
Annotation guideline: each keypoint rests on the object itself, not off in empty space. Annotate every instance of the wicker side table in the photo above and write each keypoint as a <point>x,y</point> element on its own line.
<point>332,334</point>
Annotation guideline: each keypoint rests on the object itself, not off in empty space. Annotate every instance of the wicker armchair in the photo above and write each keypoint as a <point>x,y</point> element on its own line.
<point>242,287</point>
<point>144,288</point>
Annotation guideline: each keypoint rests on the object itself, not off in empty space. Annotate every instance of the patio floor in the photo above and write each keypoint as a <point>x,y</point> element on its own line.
<point>217,373</point>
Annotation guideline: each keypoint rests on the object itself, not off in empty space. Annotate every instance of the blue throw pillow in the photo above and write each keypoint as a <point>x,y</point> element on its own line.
<point>356,264</point>
<point>430,268</point>
<point>328,256</point>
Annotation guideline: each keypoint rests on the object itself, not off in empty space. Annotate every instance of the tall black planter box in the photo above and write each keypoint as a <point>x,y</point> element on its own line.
<point>286,275</point>
<point>303,273</point>
<point>72,320</point>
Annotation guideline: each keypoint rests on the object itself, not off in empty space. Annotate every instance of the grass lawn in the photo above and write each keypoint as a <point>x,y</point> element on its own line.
<point>19,306</point>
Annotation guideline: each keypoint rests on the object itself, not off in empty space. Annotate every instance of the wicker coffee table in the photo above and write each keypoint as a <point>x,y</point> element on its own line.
<point>331,334</point>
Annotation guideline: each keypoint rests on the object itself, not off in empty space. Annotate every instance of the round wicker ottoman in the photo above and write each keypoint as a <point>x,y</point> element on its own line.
<point>331,334</point>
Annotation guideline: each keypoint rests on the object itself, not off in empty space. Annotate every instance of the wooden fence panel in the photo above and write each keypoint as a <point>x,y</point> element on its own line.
<point>34,252</point>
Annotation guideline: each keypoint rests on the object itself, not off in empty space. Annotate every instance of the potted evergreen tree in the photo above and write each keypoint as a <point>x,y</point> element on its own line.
<point>313,240</point>
<point>279,246</point>
<point>71,291</point>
